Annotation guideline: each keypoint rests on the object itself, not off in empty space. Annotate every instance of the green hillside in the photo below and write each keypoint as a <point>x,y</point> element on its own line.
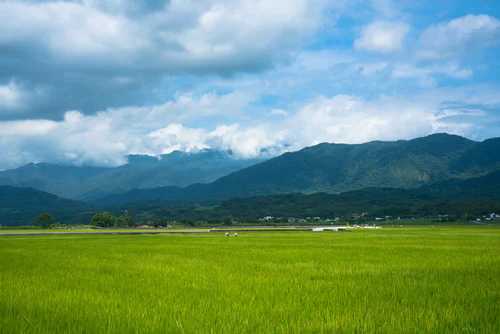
<point>20,206</point>
<point>459,198</point>
<point>336,168</point>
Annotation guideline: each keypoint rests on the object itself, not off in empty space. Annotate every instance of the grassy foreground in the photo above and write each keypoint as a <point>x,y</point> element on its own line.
<point>412,280</point>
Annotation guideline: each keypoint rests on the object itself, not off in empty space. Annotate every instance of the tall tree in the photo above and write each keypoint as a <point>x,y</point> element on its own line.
<point>103,219</point>
<point>44,220</point>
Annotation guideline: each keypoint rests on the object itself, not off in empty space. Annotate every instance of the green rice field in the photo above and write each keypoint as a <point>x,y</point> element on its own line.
<point>390,280</point>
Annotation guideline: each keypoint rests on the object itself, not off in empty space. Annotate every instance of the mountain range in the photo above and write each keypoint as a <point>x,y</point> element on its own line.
<point>435,174</point>
<point>336,168</point>
<point>460,198</point>
<point>457,198</point>
<point>142,171</point>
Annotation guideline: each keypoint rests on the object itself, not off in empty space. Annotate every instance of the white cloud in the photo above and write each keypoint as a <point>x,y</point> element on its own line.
<point>108,136</point>
<point>127,52</point>
<point>382,36</point>
<point>68,30</point>
<point>16,98</point>
<point>279,112</point>
<point>12,97</point>
<point>459,36</point>
<point>350,119</point>
<point>207,36</point>
<point>26,128</point>
<point>247,141</point>
<point>176,137</point>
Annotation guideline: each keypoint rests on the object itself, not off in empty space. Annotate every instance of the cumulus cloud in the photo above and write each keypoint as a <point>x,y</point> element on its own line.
<point>382,36</point>
<point>68,31</point>
<point>16,99</point>
<point>460,35</point>
<point>107,137</point>
<point>118,51</point>
<point>250,141</point>
<point>11,97</point>
<point>183,35</point>
<point>351,119</point>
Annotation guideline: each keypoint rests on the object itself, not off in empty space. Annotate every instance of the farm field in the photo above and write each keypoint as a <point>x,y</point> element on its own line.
<point>14,231</point>
<point>390,280</point>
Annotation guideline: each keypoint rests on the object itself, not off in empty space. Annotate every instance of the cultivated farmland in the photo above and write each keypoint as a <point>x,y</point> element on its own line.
<point>413,280</point>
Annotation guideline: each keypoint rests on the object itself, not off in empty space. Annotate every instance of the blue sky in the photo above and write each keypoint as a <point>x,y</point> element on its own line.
<point>88,82</point>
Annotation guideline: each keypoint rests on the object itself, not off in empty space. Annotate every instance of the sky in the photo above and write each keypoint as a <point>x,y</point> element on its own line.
<point>87,82</point>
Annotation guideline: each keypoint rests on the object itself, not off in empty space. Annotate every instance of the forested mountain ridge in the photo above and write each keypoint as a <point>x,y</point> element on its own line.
<point>458,198</point>
<point>20,206</point>
<point>336,168</point>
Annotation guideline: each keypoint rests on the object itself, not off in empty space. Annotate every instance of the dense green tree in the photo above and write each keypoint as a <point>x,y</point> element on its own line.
<point>103,219</point>
<point>44,220</point>
<point>124,220</point>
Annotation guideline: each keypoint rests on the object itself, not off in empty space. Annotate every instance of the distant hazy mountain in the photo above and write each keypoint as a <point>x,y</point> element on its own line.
<point>67,181</point>
<point>20,206</point>
<point>338,168</point>
<point>174,169</point>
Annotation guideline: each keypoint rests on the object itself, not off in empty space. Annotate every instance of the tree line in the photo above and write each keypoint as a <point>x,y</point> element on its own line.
<point>100,219</point>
